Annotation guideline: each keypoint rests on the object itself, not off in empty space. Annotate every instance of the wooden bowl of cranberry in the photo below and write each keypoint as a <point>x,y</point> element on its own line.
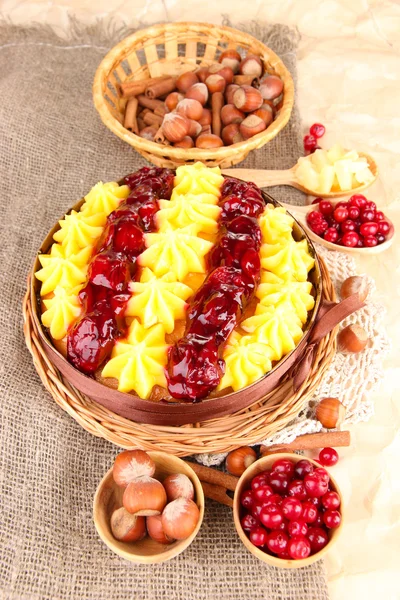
<point>287,510</point>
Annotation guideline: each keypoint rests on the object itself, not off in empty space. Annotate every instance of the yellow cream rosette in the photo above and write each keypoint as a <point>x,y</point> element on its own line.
<point>274,291</point>
<point>138,360</point>
<point>60,270</point>
<point>276,225</point>
<point>197,179</point>
<point>188,210</point>
<point>61,311</point>
<point>289,259</point>
<point>79,231</point>
<point>103,199</point>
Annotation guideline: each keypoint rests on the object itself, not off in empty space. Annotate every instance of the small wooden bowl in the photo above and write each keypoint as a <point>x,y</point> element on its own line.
<point>244,483</point>
<point>108,498</point>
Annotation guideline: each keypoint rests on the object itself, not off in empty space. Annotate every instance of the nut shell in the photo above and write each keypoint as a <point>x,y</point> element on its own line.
<point>185,81</point>
<point>156,531</point>
<point>131,464</point>
<point>265,113</point>
<point>231,114</point>
<point>352,339</point>
<point>190,108</point>
<point>202,74</point>
<point>199,92</point>
<point>271,88</point>
<point>247,99</point>
<point>178,485</point>
<point>231,58</point>
<point>208,140</point>
<point>206,117</point>
<point>195,129</point>
<point>145,496</point>
<point>330,412</point>
<point>251,65</point>
<point>126,527</point>
<point>175,127</point>
<point>251,126</point>
<point>215,83</point>
<point>229,91</point>
<point>180,518</point>
<point>187,142</point>
<point>238,460</point>
<point>172,100</point>
<point>354,285</point>
<point>231,134</point>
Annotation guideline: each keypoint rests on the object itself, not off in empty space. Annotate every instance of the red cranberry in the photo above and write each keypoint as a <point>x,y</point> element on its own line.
<point>331,500</point>
<point>317,130</point>
<point>315,501</point>
<point>262,493</point>
<point>299,547</point>
<point>297,489</point>
<point>314,217</point>
<point>325,207</point>
<point>318,538</point>
<point>284,555</point>
<point>370,206</point>
<point>322,474</point>
<point>298,527</point>
<point>110,270</point>
<point>331,235</point>
<point>350,239</point>
<point>360,243</point>
<point>279,482</point>
<point>303,468</point>
<point>91,340</point>
<point>291,508</point>
<point>283,465</point>
<point>367,216</point>
<point>260,480</point>
<point>369,228</point>
<point>255,510</point>
<point>319,522</point>
<point>319,228</point>
<point>345,205</point>
<point>358,200</point>
<point>271,516</point>
<point>284,525</point>
<point>127,237</point>
<point>380,238</point>
<point>383,227</point>
<point>347,225</point>
<point>274,499</point>
<point>309,513</point>
<point>314,485</point>
<point>340,214</point>
<point>316,201</point>
<point>328,457</point>
<point>370,241</point>
<point>354,212</point>
<point>379,216</point>
<point>258,536</point>
<point>332,518</point>
<point>246,499</point>
<point>309,142</point>
<point>248,522</point>
<point>277,542</point>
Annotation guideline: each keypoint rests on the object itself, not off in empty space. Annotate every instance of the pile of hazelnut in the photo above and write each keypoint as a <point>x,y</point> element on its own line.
<point>222,104</point>
<point>165,511</point>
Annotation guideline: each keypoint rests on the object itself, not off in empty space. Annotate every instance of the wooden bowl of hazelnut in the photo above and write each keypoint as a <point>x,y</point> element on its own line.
<point>183,92</point>
<point>148,507</point>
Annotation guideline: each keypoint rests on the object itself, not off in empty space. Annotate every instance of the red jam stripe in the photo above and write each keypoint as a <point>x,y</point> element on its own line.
<point>195,366</point>
<point>113,266</point>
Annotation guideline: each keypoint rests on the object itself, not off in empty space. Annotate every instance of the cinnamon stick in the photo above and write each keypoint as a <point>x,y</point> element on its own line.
<point>311,441</point>
<point>217,493</point>
<point>160,137</point>
<point>151,119</point>
<point>206,129</point>
<point>213,476</point>
<point>246,80</point>
<point>141,123</point>
<point>217,102</point>
<point>130,121</point>
<point>127,89</point>
<point>157,106</point>
<point>159,88</point>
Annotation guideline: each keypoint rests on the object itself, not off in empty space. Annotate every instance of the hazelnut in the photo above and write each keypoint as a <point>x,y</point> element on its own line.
<point>271,87</point>
<point>148,133</point>
<point>126,527</point>
<point>178,485</point>
<point>265,112</point>
<point>231,134</point>
<point>251,65</point>
<point>208,140</point>
<point>172,100</point>
<point>198,91</point>
<point>251,126</point>
<point>179,518</point>
<point>190,108</point>
<point>238,460</point>
<point>195,128</point>
<point>144,496</point>
<point>131,464</point>
<point>354,285</point>
<point>229,91</point>
<point>215,83</point>
<point>156,531</point>
<point>225,72</point>
<point>185,81</point>
<point>187,142</point>
<point>206,117</point>
<point>202,74</point>
<point>231,58</point>
<point>175,127</point>
<point>247,98</point>
<point>330,412</point>
<point>231,114</point>
<point>352,339</point>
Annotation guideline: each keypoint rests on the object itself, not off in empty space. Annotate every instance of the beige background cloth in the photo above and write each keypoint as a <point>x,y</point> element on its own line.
<point>53,149</point>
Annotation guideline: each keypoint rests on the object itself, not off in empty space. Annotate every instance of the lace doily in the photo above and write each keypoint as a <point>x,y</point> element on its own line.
<point>350,377</point>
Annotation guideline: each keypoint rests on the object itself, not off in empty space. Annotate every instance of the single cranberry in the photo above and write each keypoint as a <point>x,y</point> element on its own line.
<point>283,465</point>
<point>347,225</point>
<point>260,480</point>
<point>325,207</point>
<point>279,482</point>
<point>110,270</point>
<point>277,542</point>
<point>370,241</point>
<point>284,555</point>
<point>316,201</point>
<point>314,217</point>
<point>258,536</point>
<point>380,238</point>
<point>317,130</point>
<point>298,527</point>
<point>309,142</point>
<point>127,238</point>
<point>360,243</point>
<point>322,474</point>
<point>299,547</point>
<point>319,521</point>
<point>262,493</point>
<point>383,227</point>
<point>284,525</point>
<point>318,538</point>
<point>246,499</point>
<point>303,468</point>
<point>271,516</point>
<point>369,228</point>
<point>328,457</point>
<point>255,510</point>
<point>358,200</point>
<point>291,508</point>
<point>340,214</point>
<point>247,226</point>
<point>370,206</point>
<point>315,501</point>
<point>332,518</point>
<point>379,216</point>
<point>350,239</point>
<point>354,212</point>
<point>343,204</point>
<point>146,213</point>
<point>297,489</point>
<point>367,216</point>
<point>248,522</point>
<point>274,499</point>
<point>331,500</point>
<point>314,485</point>
<point>309,512</point>
<point>91,339</point>
<point>331,235</point>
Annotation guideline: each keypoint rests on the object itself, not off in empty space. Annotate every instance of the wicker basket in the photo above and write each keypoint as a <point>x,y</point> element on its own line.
<point>172,49</point>
<point>263,418</point>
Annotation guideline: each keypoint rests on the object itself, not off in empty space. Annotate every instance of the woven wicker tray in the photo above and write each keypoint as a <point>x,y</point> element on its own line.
<point>263,418</point>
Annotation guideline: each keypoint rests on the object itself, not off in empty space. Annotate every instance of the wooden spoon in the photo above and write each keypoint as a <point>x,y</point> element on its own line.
<point>300,213</point>
<point>264,178</point>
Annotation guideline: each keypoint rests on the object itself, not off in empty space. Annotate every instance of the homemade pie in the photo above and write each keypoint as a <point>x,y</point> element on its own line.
<point>176,286</point>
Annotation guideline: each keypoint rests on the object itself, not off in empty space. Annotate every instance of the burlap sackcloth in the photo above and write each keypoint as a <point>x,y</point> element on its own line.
<point>53,149</point>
